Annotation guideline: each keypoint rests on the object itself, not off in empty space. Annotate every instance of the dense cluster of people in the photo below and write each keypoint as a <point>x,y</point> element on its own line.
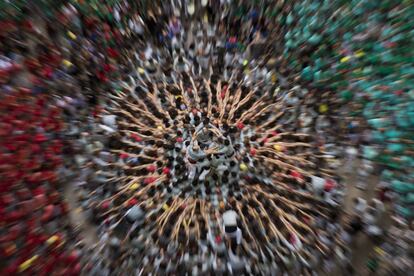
<point>180,187</point>
<point>35,228</point>
<point>397,251</point>
<point>366,59</point>
<point>361,51</point>
<point>54,65</point>
<point>202,137</point>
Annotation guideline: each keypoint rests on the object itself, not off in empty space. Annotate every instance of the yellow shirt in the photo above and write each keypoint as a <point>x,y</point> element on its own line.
<point>323,108</point>
<point>28,263</point>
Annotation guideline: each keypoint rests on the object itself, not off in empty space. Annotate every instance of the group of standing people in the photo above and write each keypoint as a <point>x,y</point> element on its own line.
<point>204,143</point>
<point>194,143</point>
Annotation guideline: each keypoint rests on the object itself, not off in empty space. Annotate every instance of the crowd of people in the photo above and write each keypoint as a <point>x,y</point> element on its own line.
<point>366,59</point>
<point>202,137</point>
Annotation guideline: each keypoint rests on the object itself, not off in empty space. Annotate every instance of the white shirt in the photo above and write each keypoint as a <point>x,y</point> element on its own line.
<point>148,52</point>
<point>230,218</point>
<point>228,58</point>
<point>360,206</point>
<point>379,207</point>
<point>237,234</point>
<point>116,15</point>
<point>318,183</point>
<point>109,120</point>
<point>351,151</point>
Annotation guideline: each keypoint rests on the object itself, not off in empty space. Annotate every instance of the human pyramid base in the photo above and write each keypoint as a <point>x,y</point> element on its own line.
<point>206,174</point>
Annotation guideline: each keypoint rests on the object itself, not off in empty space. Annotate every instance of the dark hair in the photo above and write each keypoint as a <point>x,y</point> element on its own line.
<point>186,119</point>
<point>180,160</point>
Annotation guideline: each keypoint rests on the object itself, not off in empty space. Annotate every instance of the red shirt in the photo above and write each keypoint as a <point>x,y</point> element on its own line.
<point>112,52</point>
<point>47,72</point>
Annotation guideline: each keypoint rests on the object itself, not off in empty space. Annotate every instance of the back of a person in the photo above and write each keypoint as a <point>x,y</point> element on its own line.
<point>230,219</point>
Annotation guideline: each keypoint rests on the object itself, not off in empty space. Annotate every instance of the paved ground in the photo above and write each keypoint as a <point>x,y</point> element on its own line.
<point>78,217</point>
<point>362,245</point>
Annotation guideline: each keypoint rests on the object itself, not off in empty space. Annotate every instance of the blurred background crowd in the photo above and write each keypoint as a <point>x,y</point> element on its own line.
<point>347,71</point>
